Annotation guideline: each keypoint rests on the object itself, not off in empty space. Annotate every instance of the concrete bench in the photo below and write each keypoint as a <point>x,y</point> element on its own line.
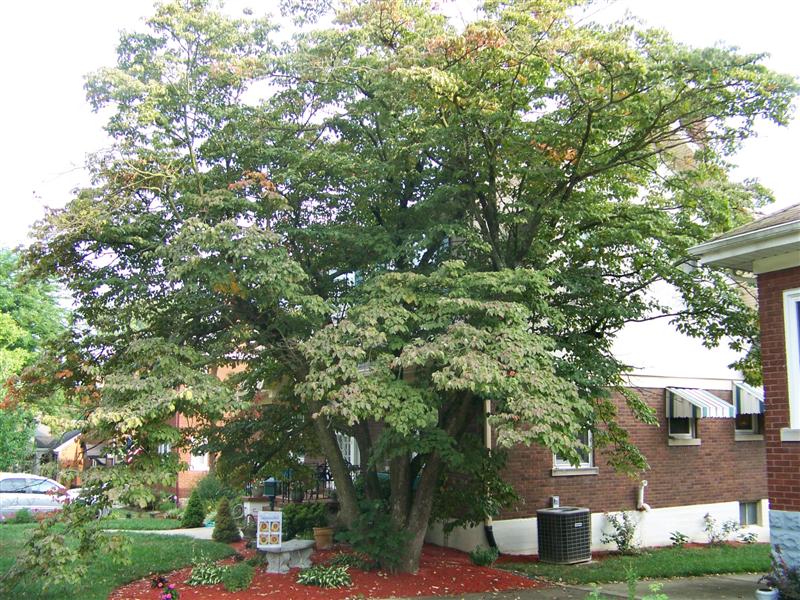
<point>291,554</point>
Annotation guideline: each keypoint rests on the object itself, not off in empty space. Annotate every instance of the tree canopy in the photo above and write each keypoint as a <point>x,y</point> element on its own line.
<point>413,218</point>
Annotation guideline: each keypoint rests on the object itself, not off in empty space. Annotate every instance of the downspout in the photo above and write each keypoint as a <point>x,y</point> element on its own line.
<point>640,503</point>
<point>487,438</point>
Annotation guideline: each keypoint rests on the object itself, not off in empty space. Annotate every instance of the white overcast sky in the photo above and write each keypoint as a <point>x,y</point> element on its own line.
<point>47,46</point>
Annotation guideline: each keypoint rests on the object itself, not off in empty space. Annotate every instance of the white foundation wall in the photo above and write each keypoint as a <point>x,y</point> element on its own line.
<point>519,536</point>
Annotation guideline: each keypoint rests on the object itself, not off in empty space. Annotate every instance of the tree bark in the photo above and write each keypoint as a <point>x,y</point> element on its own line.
<point>345,490</point>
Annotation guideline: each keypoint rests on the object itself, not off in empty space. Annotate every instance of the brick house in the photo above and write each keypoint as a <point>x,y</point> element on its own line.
<point>706,456</point>
<point>770,248</point>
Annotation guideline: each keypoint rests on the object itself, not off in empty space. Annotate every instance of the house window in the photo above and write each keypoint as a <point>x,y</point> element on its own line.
<point>349,448</point>
<point>164,448</point>
<point>682,428</point>
<point>791,322</point>
<point>748,513</point>
<point>562,466</point>
<point>198,462</point>
<point>749,424</point>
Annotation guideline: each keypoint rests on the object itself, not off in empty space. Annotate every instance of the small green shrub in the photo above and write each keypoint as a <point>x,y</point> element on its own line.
<point>748,537</point>
<point>678,539</point>
<point>195,512</point>
<point>238,577</point>
<point>225,530</point>
<point>206,572</point>
<point>356,561</point>
<point>211,490</point>
<point>165,506</point>
<point>782,577</point>
<point>327,577</point>
<point>22,516</point>
<point>623,531</point>
<point>374,535</point>
<point>718,535</point>
<point>299,518</point>
<point>484,557</point>
<point>257,560</point>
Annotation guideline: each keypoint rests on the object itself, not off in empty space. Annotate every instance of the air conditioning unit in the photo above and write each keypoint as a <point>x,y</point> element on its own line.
<point>565,534</point>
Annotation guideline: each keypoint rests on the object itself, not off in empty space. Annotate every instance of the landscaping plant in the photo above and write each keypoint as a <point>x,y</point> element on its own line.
<point>678,539</point>
<point>327,577</point>
<point>225,528</point>
<point>718,535</point>
<point>166,590</point>
<point>22,516</point>
<point>195,512</point>
<point>302,518</point>
<point>623,532</point>
<point>782,577</point>
<point>373,533</point>
<point>238,577</point>
<point>484,557</point>
<point>351,559</point>
<point>206,572</point>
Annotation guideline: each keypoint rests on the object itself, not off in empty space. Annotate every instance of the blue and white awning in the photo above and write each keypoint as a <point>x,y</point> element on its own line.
<point>749,400</point>
<point>694,403</point>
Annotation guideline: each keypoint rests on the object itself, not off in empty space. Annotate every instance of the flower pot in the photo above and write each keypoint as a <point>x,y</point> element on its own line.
<point>767,594</point>
<point>323,537</point>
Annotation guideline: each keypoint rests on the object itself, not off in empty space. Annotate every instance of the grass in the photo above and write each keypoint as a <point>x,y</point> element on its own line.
<point>149,554</point>
<point>655,563</point>
<point>140,523</point>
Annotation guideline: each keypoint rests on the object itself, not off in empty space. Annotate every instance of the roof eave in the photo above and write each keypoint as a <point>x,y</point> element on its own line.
<point>741,251</point>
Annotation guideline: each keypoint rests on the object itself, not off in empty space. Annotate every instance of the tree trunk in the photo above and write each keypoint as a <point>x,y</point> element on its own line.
<point>345,491</point>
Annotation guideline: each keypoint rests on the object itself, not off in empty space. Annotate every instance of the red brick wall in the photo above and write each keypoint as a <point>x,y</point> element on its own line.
<point>783,459</point>
<point>719,470</point>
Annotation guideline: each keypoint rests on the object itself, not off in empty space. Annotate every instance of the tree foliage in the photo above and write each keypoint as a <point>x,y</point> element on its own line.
<point>417,218</point>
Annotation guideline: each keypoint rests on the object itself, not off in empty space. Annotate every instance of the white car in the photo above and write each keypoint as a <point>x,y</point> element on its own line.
<point>34,492</point>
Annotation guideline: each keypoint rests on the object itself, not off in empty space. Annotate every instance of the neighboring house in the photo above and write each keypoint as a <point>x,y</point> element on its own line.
<point>770,248</point>
<point>70,451</point>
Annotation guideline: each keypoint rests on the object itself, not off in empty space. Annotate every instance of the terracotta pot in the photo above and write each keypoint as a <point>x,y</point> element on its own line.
<point>767,594</point>
<point>323,537</point>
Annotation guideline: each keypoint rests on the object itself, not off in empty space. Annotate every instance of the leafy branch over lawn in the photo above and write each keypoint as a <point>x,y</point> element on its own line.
<point>148,554</point>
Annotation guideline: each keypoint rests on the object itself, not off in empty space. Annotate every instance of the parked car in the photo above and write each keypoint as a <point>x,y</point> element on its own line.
<point>34,492</point>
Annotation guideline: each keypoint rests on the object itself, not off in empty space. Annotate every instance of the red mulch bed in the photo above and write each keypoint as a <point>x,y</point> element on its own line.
<point>442,572</point>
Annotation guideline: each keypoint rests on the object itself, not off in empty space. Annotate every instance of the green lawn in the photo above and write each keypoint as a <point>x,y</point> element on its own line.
<point>655,563</point>
<point>140,523</point>
<point>149,554</point>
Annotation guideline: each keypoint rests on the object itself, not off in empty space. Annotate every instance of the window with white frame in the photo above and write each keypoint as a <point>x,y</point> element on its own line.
<point>198,461</point>
<point>749,424</point>
<point>682,428</point>
<point>748,513</point>
<point>791,324</point>
<point>349,448</point>
<point>586,455</point>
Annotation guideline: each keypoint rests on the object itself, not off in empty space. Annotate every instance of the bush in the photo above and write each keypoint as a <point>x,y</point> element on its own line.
<point>257,560</point>
<point>206,572</point>
<point>783,578</point>
<point>718,535</point>
<point>327,577</point>
<point>211,490</point>
<point>373,534</point>
<point>484,557</point>
<point>624,529</point>
<point>225,530</point>
<point>238,577</point>
<point>22,516</point>
<point>357,561</point>
<point>195,512</point>
<point>299,518</point>
<point>678,539</point>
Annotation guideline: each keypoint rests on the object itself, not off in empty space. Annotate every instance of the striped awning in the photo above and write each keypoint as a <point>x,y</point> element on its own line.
<point>694,403</point>
<point>749,400</point>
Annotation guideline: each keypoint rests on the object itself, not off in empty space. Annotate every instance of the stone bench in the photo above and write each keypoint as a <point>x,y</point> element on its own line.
<point>291,554</point>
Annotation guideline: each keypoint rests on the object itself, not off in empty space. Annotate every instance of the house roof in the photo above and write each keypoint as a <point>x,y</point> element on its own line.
<point>66,438</point>
<point>767,244</point>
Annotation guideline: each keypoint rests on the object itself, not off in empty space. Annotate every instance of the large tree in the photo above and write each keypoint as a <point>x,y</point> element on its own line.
<point>417,218</point>
<point>29,317</point>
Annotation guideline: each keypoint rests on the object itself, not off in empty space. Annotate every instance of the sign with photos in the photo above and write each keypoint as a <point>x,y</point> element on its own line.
<point>269,529</point>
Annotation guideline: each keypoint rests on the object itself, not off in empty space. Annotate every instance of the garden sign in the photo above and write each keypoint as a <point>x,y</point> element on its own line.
<point>270,529</point>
